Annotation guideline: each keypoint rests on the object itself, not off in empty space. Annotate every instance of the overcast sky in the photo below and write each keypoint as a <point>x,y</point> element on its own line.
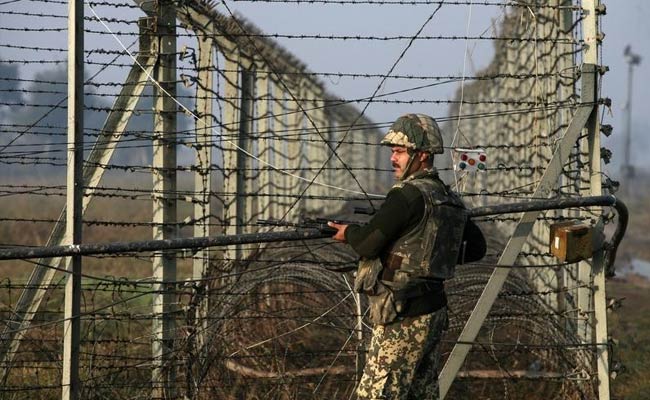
<point>626,22</point>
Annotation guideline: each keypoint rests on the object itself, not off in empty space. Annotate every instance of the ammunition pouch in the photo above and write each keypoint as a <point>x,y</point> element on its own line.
<point>367,275</point>
<point>388,304</point>
<point>384,307</point>
<point>422,298</point>
<point>393,300</point>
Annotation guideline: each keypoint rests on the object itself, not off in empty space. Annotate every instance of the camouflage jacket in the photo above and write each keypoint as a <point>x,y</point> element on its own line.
<point>424,252</point>
<point>430,249</point>
<point>418,230</point>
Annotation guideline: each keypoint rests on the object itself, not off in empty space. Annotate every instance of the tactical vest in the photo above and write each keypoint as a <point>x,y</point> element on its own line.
<point>430,250</point>
<point>408,280</point>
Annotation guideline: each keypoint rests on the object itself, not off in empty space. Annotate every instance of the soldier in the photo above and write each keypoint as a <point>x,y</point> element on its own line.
<point>407,250</point>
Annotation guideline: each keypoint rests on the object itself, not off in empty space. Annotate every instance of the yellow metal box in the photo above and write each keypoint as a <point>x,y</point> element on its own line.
<point>571,241</point>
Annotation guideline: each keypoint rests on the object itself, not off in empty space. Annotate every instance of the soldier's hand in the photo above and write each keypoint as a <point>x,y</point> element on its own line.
<point>340,231</point>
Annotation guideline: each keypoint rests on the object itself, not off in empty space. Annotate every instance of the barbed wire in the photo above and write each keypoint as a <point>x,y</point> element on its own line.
<point>283,295</point>
<point>117,4</point>
<point>455,78</point>
<point>320,36</point>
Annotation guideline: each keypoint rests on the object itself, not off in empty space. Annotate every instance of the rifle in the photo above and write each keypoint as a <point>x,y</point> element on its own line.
<point>318,223</point>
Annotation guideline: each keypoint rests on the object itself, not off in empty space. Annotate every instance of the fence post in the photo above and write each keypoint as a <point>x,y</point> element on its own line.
<point>247,204</point>
<point>74,200</point>
<point>316,150</point>
<point>164,202</point>
<point>230,128</point>
<point>238,111</point>
<point>203,185</point>
<point>265,143</point>
<point>281,149</point>
<point>592,37</point>
<point>295,149</point>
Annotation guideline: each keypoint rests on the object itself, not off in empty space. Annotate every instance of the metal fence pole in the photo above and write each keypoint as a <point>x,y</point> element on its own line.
<point>246,202</point>
<point>74,200</point>
<point>295,148</point>
<point>592,38</point>
<point>265,142</point>
<point>231,110</point>
<point>164,202</point>
<point>280,125</point>
<point>203,183</point>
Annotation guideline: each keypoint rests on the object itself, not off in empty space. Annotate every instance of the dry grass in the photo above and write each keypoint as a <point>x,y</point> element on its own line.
<point>629,325</point>
<point>127,210</point>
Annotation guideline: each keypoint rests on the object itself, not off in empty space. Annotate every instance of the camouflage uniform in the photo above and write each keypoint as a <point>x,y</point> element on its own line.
<point>403,266</point>
<point>394,350</point>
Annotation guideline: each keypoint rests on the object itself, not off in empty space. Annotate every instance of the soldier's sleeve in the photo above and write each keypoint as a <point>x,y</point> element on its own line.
<point>403,207</point>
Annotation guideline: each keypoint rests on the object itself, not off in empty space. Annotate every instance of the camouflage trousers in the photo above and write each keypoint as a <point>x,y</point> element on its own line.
<point>403,359</point>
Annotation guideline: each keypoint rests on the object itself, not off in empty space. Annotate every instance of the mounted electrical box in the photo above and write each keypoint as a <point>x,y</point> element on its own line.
<point>571,241</point>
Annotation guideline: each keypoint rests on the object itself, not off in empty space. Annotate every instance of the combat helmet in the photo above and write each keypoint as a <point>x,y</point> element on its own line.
<point>417,132</point>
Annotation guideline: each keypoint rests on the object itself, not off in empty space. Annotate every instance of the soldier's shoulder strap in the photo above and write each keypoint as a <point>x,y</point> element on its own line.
<point>439,192</point>
<point>398,185</point>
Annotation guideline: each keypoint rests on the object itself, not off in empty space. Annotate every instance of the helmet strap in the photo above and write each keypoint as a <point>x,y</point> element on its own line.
<point>409,164</point>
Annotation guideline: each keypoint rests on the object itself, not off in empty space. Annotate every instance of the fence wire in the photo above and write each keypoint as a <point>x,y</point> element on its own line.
<point>261,136</point>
